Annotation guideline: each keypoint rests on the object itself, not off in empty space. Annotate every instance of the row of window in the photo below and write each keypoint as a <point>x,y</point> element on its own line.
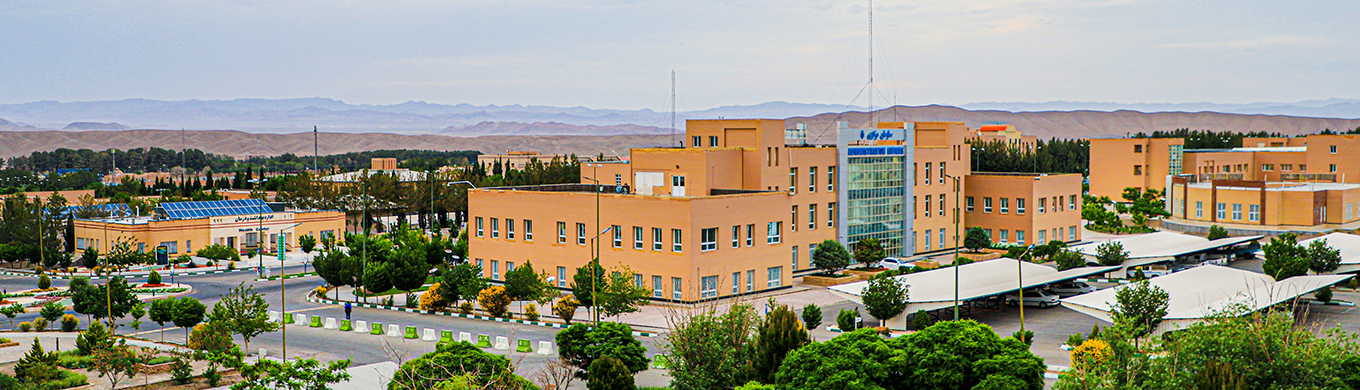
<point>812,216</point>
<point>708,285</point>
<point>927,172</point>
<point>812,180</point>
<point>708,236</point>
<point>1221,212</point>
<point>510,229</point>
<point>1290,167</point>
<point>1005,204</point>
<point>1044,236</point>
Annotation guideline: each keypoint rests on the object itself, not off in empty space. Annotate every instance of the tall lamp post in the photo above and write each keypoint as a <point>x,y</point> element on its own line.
<point>1020,276</point>
<point>259,232</point>
<point>283,290</point>
<point>595,256</point>
<point>956,244</point>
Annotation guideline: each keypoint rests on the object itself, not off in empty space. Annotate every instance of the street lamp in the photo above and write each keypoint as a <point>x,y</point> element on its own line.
<point>595,242</point>
<point>283,292</point>
<point>956,244</point>
<point>595,172</point>
<point>1020,276</point>
<point>259,231</point>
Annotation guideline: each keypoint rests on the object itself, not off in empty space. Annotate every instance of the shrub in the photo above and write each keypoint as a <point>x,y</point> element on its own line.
<point>812,316</point>
<point>231,265</point>
<point>921,320</point>
<point>608,373</point>
<point>40,324</point>
<point>154,278</point>
<point>25,326</point>
<point>320,291</point>
<point>431,300</point>
<point>44,282</point>
<point>493,300</point>
<point>1353,283</point>
<point>531,312</point>
<point>1323,295</point>
<point>1075,340</point>
<point>93,338</point>
<point>181,372</point>
<point>845,320</point>
<point>212,376</point>
<point>565,308</point>
<point>1024,336</point>
<point>961,261</point>
<point>1090,353</point>
<point>184,259</point>
<point>465,308</point>
<point>211,263</point>
<point>69,323</point>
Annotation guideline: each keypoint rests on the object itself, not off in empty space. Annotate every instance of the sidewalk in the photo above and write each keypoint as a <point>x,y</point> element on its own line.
<point>246,264</point>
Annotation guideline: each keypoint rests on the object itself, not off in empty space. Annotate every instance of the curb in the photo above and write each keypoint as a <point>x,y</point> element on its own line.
<point>1103,280</point>
<point>460,315</point>
<point>99,277</point>
<point>289,276</point>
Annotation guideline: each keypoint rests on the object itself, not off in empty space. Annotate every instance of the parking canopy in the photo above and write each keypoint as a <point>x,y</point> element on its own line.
<point>1200,292</point>
<point>1161,247</point>
<point>934,289</point>
<point>1347,244</point>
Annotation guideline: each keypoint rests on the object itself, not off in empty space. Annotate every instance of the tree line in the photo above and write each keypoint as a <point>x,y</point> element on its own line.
<point>1052,156</point>
<point>163,160</point>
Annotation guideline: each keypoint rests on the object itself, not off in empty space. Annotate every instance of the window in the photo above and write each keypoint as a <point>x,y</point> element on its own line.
<point>618,236</point>
<point>528,230</point>
<point>708,239</point>
<point>1071,202</point>
<point>677,185</point>
<point>479,226</point>
<point>942,240</point>
<point>831,214</point>
<point>1043,202</point>
<point>1237,211</point>
<point>1138,170</point>
<point>942,206</point>
<point>698,142</point>
<point>928,231</point>
<point>1199,209</point>
<point>676,241</point>
<point>637,237</point>
<point>1005,236</point>
<point>830,179</point>
<point>794,220</point>
<point>656,239</point>
<point>1020,237</point>
<point>1020,206</point>
<point>736,236</point>
<point>713,142</point>
<point>795,258</point>
<point>495,228</point>
<point>708,287</point>
<point>750,234</point>
<point>495,269</point>
<point>736,283</point>
<point>793,180</point>
<point>509,266</point>
<point>1333,149</point>
<point>1267,167</point>
<point>1331,168</point>
<point>812,179</point>
<point>1137,148</point>
<point>1303,167</point>
<point>927,206</point>
<point>618,179</point>
<point>638,281</point>
<point>171,246</point>
<point>80,241</point>
<point>509,228</point>
<point>772,232</point>
<point>1043,237</point>
<point>676,286</point>
<point>1222,211</point>
<point>775,276</point>
<point>1005,205</point>
<point>479,264</point>
<point>1287,167</point>
<point>562,277</point>
<point>812,216</point>
<point>656,286</point>
<point>1254,212</point>
<point>561,232</point>
<point>969,204</point>
<point>942,172</point>
<point>927,173</point>
<point>580,234</point>
<point>812,251</point>
<point>750,280</point>
<point>1071,233</point>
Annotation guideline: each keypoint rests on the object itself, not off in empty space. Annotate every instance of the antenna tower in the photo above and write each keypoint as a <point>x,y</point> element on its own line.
<point>872,122</point>
<point>673,142</point>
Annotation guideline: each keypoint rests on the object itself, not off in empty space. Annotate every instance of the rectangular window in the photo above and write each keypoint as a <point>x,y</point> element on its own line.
<point>1333,149</point>
<point>1005,205</point>
<point>812,179</point>
<point>656,239</point>
<point>927,173</point>
<point>1005,236</point>
<point>580,234</point>
<point>942,172</point>
<point>618,235</point>
<point>968,204</point>
<point>1138,170</point>
<point>495,228</point>
<point>793,223</point>
<point>1267,167</point>
<point>1222,211</point>
<point>562,277</point>
<point>812,250</point>
<point>1303,167</point>
<point>676,286</point>
<point>794,256</point>
<point>639,281</point>
<point>750,280</point>
<point>561,232</point>
<point>942,206</point>
<point>656,286</point>
<point>1020,206</point>
<point>1331,168</point>
<point>708,287</point>
<point>1071,233</point>
<point>1137,148</point>
<point>480,265</point>
<point>736,283</point>
<point>736,236</point>
<point>942,239</point>
<point>528,230</point>
<point>775,277</point>
<point>495,270</point>
<point>713,142</point>
<point>479,226</point>
<point>708,239</point>
<point>1287,167</point>
<point>772,232</point>
<point>171,246</point>
<point>928,232</point>
<point>509,267</point>
<point>1199,209</point>
<point>697,142</point>
<point>618,179</point>
<point>927,206</point>
<point>509,229</point>
<point>637,237</point>
<point>830,179</point>
<point>750,234</point>
<point>1254,212</point>
<point>1020,237</point>
<point>812,216</point>
<point>1237,211</point>
<point>793,180</point>
<point>831,214</point>
<point>676,241</point>
<point>1043,202</point>
<point>1043,236</point>
<point>1071,202</point>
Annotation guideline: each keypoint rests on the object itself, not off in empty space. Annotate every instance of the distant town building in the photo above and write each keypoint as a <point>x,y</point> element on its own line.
<point>520,159</point>
<point>184,227</point>
<point>1005,133</point>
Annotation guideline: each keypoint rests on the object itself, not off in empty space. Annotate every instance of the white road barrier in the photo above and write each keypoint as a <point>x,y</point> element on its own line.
<point>502,343</point>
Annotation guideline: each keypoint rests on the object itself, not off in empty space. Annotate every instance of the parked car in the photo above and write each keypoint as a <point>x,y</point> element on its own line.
<point>1068,289</point>
<point>1040,298</point>
<point>1153,271</point>
<point>896,263</point>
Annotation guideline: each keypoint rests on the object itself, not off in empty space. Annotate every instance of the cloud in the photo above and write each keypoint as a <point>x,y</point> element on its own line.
<point>1252,43</point>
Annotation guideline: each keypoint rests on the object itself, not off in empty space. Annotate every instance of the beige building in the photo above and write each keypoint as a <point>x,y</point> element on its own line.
<point>1140,163</point>
<point>521,159</point>
<point>1025,208</point>
<point>1005,133</point>
<point>184,227</point>
<point>1263,203</point>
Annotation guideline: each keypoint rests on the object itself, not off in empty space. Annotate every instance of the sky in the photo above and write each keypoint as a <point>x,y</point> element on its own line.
<point>620,53</point>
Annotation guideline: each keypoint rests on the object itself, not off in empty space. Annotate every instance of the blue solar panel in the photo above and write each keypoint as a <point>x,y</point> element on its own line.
<point>186,210</point>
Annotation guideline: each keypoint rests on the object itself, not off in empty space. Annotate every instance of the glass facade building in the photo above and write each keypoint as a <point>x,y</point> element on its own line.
<point>877,189</point>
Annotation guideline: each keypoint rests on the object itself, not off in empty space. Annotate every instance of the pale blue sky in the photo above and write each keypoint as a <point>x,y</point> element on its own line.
<point>618,53</point>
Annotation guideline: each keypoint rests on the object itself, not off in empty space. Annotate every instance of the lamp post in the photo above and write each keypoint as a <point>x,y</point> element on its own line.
<point>956,245</point>
<point>1020,276</point>
<point>474,186</point>
<point>595,256</point>
<point>259,232</point>
<point>283,292</point>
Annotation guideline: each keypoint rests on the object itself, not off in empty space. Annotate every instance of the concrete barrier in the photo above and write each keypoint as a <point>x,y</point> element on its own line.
<point>483,341</point>
<point>330,323</point>
<point>273,316</point>
<point>377,329</point>
<point>502,343</point>
<point>262,353</point>
<point>316,322</point>
<point>429,335</point>
<point>346,326</point>
<point>299,318</point>
<point>411,332</point>
<point>360,326</point>
<point>393,330</point>
<point>287,319</point>
<point>523,345</point>
<point>545,348</point>
<point>465,336</point>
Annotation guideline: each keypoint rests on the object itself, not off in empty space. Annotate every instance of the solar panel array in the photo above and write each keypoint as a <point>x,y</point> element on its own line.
<point>110,209</point>
<point>214,208</point>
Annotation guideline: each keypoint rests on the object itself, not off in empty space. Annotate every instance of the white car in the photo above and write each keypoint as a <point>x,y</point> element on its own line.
<point>1040,298</point>
<point>896,263</point>
<point>1068,289</point>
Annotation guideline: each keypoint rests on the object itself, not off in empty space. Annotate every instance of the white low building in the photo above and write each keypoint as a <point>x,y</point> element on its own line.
<point>1163,247</point>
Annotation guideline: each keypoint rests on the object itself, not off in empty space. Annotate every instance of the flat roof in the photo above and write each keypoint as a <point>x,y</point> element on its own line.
<point>1164,245</point>
<point>934,289</point>
<point>1285,186</point>
<point>1288,149</point>
<point>1202,291</point>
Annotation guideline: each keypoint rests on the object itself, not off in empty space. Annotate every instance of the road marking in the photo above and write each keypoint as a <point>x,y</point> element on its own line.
<point>177,328</point>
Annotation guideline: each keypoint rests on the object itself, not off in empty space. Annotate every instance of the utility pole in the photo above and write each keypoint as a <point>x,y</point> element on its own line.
<point>672,111</point>
<point>315,151</point>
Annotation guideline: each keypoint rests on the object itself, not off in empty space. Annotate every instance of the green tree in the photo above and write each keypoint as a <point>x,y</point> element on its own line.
<point>588,282</point>
<point>830,256</point>
<point>845,320</point>
<point>408,269</point>
<point>812,316</point>
<point>454,360</point>
<point>579,345</point>
<point>93,300</point>
<point>712,350</point>
<point>621,294</point>
<point>463,281</point>
<point>244,312</point>
<point>308,243</point>
<point>89,258</point>
<point>37,366</point>
<point>154,278</point>
<point>116,361</point>
<point>95,337</point>
<point>1140,306</point>
<point>921,320</point>
<point>1069,259</point>
<point>300,374</point>
<point>852,361</point>
<point>1322,258</point>
<point>1111,253</point>
<point>976,239</point>
<point>779,334</point>
<point>338,269</point>
<point>523,284</point>
<point>884,297</point>
<point>1217,232</point>
<point>163,311</point>
<point>377,277</point>
<point>1284,257</point>
<point>188,311</point>
<point>52,311</point>
<point>44,282</point>
<point>868,251</point>
<point>608,373</point>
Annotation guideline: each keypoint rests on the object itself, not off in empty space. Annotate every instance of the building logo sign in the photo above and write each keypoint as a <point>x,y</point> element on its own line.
<point>878,135</point>
<point>875,151</point>
<point>265,217</point>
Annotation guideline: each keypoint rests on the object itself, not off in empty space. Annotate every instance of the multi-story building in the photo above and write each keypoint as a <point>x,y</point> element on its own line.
<point>1025,208</point>
<point>1005,133</point>
<point>1263,203</point>
<point>1140,163</point>
<point>184,227</point>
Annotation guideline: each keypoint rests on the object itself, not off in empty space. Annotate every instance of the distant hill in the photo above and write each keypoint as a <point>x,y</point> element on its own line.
<point>95,126</point>
<point>7,125</point>
<point>548,128</point>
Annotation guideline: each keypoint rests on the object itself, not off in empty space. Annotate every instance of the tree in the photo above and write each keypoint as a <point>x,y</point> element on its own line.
<point>377,277</point>
<point>588,282</point>
<point>89,258</point>
<point>299,374</point>
<point>1069,259</point>
<point>884,297</point>
<point>188,311</point>
<point>338,269</point>
<point>976,239</point>
<point>37,366</point>
<point>210,336</point>
<point>868,251</point>
<point>1284,257</point>
<point>845,320</point>
<point>854,360</point>
<point>163,311</point>
<point>308,243</point>
<point>523,284</point>
<point>621,295</point>
<point>1139,306</point>
<point>710,350</point>
<point>921,320</point>
<point>95,337</point>
<point>44,282</point>
<point>1111,253</point>
<point>244,312</point>
<point>830,256</point>
<point>154,278</point>
<point>565,308</point>
<point>580,345</point>
<point>93,300</point>
<point>1217,232</point>
<point>12,311</point>
<point>458,359</point>
<point>608,373</point>
<point>463,281</point>
<point>494,300</point>
<point>812,316</point>
<point>116,361</point>
<point>1322,258</point>
<point>779,334</point>
<point>52,311</point>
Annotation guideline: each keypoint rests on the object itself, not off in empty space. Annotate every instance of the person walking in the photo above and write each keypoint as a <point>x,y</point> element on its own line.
<point>348,309</point>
